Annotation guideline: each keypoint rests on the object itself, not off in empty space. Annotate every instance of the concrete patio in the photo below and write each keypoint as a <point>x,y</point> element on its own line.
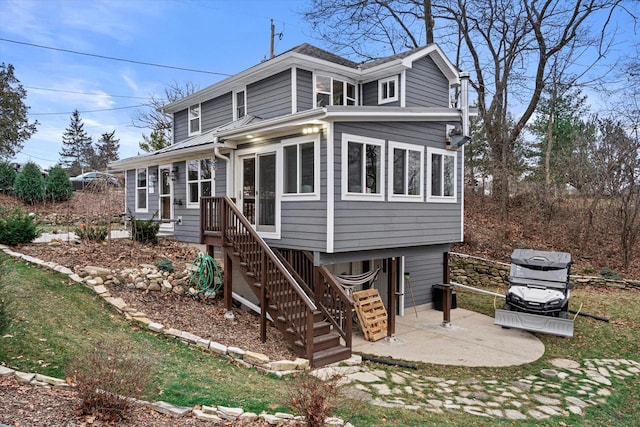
<point>471,340</point>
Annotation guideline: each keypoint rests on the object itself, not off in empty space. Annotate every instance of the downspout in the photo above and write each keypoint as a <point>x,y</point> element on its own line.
<point>216,152</point>
<point>464,102</point>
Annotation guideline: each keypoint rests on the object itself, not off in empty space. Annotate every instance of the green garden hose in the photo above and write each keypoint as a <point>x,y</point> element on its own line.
<point>204,271</point>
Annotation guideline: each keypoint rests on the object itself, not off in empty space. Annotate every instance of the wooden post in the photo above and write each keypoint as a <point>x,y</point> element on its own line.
<point>228,279</point>
<point>446,291</point>
<point>391,291</point>
<point>263,296</point>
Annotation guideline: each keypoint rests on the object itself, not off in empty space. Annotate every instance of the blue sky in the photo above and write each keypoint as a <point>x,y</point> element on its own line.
<point>220,36</point>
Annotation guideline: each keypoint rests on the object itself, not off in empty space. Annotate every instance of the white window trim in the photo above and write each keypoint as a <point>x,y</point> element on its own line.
<point>235,103</point>
<point>346,195</point>
<point>344,81</point>
<point>381,83</point>
<point>316,170</point>
<point>405,197</point>
<point>194,205</point>
<point>146,188</point>
<point>189,118</point>
<point>442,199</point>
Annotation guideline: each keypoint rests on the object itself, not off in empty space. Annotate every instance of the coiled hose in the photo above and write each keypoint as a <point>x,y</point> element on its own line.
<point>204,271</point>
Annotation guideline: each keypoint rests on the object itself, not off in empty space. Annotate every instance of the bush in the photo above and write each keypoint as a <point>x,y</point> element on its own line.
<point>107,378</point>
<point>17,227</point>
<point>58,186</point>
<point>145,230</point>
<point>29,184</point>
<point>7,177</point>
<point>313,397</point>
<point>95,233</point>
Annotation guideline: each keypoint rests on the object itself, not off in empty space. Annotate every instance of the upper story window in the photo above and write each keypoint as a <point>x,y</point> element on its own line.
<point>301,170</point>
<point>388,90</point>
<point>441,181</point>
<point>194,119</point>
<point>330,91</point>
<point>362,168</point>
<point>141,190</point>
<point>200,175</point>
<point>240,104</point>
<point>406,169</point>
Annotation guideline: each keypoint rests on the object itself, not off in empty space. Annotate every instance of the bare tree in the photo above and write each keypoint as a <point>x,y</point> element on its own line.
<point>151,116</point>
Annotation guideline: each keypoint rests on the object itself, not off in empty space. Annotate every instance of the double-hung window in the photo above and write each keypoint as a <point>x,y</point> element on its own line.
<point>406,169</point>
<point>362,168</point>
<point>388,90</point>
<point>240,104</point>
<point>330,91</point>
<point>441,179</point>
<point>301,171</point>
<point>194,119</point>
<point>141,190</point>
<point>200,176</point>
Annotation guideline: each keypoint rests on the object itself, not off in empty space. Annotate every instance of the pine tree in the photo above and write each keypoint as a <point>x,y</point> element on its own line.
<point>77,146</point>
<point>108,147</point>
<point>14,125</point>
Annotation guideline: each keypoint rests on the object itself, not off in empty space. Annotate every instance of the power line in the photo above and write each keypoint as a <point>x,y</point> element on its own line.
<point>88,93</point>
<point>89,111</point>
<point>113,58</point>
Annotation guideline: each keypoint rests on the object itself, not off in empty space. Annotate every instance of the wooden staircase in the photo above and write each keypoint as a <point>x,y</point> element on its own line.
<point>314,329</point>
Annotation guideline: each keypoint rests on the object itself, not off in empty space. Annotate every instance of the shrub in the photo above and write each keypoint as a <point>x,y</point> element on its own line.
<point>17,227</point>
<point>108,378</point>
<point>58,186</point>
<point>7,177</point>
<point>313,397</point>
<point>96,233</point>
<point>145,230</point>
<point>29,184</point>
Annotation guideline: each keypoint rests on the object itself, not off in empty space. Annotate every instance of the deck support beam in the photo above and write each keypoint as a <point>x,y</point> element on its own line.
<point>392,288</point>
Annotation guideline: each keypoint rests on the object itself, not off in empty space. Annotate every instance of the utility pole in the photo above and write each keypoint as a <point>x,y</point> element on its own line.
<point>273,37</point>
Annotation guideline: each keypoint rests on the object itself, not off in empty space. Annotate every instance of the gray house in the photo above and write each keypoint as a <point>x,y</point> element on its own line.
<point>309,166</point>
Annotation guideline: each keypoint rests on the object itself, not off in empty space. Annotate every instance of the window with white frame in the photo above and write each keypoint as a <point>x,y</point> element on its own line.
<point>406,169</point>
<point>441,183</point>
<point>388,90</point>
<point>194,119</point>
<point>330,91</point>
<point>301,174</point>
<point>240,108</point>
<point>141,190</point>
<point>200,175</point>
<point>362,168</point>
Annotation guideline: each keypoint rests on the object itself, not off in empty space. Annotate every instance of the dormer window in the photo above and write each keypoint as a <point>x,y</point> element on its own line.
<point>194,119</point>
<point>388,90</point>
<point>240,107</point>
<point>330,91</point>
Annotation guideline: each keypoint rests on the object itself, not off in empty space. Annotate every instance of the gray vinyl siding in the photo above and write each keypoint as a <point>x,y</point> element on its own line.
<point>152,198</point>
<point>180,126</point>
<point>217,112</point>
<point>270,97</point>
<point>426,269</point>
<point>426,85</point>
<point>370,94</point>
<point>220,183</point>
<point>382,224</point>
<point>189,230</point>
<point>304,87</point>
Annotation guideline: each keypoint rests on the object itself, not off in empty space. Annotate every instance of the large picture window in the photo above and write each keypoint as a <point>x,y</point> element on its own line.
<point>194,119</point>
<point>406,169</point>
<point>301,169</point>
<point>200,175</point>
<point>141,190</point>
<point>362,168</point>
<point>330,91</point>
<point>441,183</point>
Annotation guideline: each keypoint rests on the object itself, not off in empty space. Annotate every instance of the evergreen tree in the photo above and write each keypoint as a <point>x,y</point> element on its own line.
<point>58,186</point>
<point>14,125</point>
<point>107,151</point>
<point>155,141</point>
<point>29,184</point>
<point>77,149</point>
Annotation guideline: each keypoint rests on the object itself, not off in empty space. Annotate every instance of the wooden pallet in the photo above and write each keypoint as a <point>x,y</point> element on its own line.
<point>371,314</point>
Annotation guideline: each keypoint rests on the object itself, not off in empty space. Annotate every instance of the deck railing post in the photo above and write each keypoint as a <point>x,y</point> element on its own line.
<point>263,299</point>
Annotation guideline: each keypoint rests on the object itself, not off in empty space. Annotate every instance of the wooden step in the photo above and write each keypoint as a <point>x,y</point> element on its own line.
<point>330,355</point>
<point>324,341</point>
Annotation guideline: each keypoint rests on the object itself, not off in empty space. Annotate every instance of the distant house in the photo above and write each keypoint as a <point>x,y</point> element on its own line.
<point>327,166</point>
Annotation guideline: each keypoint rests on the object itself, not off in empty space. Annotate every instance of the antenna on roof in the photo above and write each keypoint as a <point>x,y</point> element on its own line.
<point>273,37</point>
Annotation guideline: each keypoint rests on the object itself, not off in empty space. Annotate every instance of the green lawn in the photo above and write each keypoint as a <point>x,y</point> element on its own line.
<point>55,319</point>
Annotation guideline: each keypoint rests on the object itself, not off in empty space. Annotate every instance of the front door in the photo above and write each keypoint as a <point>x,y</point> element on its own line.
<point>258,190</point>
<point>166,197</point>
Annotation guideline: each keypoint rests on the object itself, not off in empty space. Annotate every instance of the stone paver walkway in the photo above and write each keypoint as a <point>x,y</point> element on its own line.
<point>567,388</point>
